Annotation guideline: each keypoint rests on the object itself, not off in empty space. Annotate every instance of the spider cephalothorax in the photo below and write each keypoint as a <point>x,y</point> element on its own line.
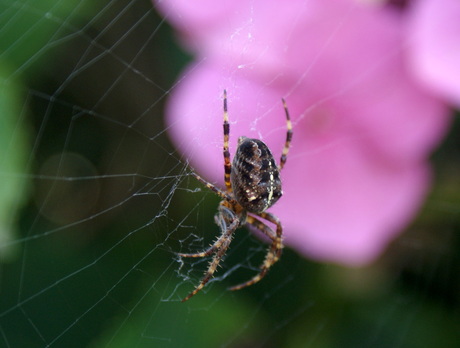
<point>253,185</point>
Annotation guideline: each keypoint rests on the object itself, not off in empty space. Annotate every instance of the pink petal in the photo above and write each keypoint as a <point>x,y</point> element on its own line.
<point>347,204</point>
<point>434,37</point>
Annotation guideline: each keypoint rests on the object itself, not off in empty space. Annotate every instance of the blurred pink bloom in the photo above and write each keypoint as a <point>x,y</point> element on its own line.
<point>357,172</point>
<point>434,33</point>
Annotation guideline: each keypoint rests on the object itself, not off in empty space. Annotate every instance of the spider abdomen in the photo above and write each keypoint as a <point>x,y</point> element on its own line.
<point>255,176</point>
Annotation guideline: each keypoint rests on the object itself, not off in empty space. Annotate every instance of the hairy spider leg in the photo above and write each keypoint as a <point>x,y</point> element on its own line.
<point>276,248</point>
<point>221,222</point>
<point>227,163</point>
<point>288,137</point>
<point>217,244</point>
<point>223,195</point>
<point>277,245</point>
<point>224,241</point>
<point>215,189</point>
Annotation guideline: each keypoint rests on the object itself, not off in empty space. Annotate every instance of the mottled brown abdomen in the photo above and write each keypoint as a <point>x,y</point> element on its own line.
<point>255,176</point>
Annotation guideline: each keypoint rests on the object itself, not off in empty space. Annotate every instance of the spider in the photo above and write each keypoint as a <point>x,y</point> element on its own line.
<point>252,185</point>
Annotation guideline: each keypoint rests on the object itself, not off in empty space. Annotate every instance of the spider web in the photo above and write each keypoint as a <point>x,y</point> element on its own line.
<point>97,202</point>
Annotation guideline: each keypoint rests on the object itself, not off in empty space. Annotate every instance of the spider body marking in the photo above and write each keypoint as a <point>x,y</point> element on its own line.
<point>255,177</point>
<point>253,185</point>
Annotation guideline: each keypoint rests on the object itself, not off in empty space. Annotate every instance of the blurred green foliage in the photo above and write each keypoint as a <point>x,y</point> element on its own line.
<point>14,152</point>
<point>30,29</point>
<point>27,31</point>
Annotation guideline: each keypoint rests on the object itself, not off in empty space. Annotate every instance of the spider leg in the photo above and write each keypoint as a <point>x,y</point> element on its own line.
<point>205,253</point>
<point>225,241</point>
<point>276,248</point>
<point>227,163</point>
<point>288,137</point>
<point>214,188</point>
<point>218,243</point>
<point>278,242</point>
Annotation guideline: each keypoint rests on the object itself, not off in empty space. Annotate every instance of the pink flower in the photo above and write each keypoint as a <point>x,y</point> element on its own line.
<point>357,172</point>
